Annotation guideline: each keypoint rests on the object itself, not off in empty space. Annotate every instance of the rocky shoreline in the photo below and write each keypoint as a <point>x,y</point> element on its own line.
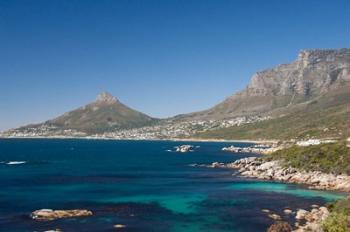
<point>259,168</point>
<point>310,221</point>
<point>255,167</point>
<point>258,149</point>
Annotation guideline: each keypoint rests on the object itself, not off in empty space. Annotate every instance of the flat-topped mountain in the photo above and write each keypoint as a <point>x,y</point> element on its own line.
<point>308,98</point>
<point>106,113</point>
<point>313,74</point>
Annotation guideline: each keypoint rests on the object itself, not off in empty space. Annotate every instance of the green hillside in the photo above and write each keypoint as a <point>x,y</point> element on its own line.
<point>103,115</point>
<point>327,158</point>
<point>326,116</point>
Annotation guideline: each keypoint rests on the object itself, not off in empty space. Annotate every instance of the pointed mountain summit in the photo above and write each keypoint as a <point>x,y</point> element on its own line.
<point>106,113</point>
<point>106,98</point>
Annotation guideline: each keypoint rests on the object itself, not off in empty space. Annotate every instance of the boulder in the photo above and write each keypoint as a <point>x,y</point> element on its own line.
<point>280,227</point>
<point>287,211</point>
<point>313,219</point>
<point>301,214</point>
<point>274,216</point>
<point>119,226</point>
<point>267,166</point>
<point>217,165</point>
<point>184,148</point>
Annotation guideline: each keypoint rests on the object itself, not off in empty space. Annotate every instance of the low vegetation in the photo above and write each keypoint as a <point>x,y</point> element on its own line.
<point>328,158</point>
<point>315,121</point>
<point>339,219</point>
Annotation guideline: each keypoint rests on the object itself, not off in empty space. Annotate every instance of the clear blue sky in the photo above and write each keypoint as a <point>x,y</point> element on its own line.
<point>161,57</point>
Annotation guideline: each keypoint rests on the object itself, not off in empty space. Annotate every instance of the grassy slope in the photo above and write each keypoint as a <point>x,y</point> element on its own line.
<point>99,118</point>
<point>339,218</point>
<point>332,123</point>
<point>104,119</point>
<point>328,158</point>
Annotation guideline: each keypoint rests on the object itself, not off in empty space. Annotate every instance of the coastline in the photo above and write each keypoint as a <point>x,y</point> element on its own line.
<point>141,139</point>
<point>306,221</point>
<point>254,167</point>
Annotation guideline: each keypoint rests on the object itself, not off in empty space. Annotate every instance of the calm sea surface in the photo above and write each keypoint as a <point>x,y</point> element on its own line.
<point>139,184</point>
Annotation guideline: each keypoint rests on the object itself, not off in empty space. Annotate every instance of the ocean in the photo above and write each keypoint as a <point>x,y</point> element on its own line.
<point>140,184</point>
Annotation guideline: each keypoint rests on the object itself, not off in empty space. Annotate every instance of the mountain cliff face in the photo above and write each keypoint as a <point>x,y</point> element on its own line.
<point>315,73</point>
<point>105,114</point>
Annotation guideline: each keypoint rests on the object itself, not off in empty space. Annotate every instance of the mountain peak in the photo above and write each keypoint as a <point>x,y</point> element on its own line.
<point>106,113</point>
<point>105,97</point>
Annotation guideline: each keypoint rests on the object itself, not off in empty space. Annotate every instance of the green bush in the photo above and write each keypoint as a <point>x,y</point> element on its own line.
<point>328,158</point>
<point>336,222</point>
<point>341,206</point>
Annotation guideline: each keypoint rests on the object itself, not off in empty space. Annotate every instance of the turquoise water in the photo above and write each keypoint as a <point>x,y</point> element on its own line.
<point>139,184</point>
<point>286,189</point>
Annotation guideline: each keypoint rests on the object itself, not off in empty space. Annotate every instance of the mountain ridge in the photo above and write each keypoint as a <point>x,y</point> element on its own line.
<point>316,82</point>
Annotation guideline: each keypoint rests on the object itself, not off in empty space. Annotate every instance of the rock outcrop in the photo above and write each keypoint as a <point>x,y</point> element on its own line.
<point>184,148</point>
<point>280,227</point>
<point>119,226</point>
<point>106,98</point>
<point>50,215</point>
<point>306,221</point>
<point>311,221</point>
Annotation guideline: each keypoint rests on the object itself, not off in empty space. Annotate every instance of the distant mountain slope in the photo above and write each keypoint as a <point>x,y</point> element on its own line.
<point>323,117</point>
<point>307,98</point>
<point>105,114</point>
<point>313,74</point>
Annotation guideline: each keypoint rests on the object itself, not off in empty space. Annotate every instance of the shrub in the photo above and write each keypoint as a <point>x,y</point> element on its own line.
<point>329,158</point>
<point>336,222</point>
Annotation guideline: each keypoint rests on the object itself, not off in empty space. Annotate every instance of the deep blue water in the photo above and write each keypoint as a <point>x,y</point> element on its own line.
<point>139,184</point>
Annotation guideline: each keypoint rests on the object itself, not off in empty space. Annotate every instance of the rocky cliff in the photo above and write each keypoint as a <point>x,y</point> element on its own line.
<point>313,74</point>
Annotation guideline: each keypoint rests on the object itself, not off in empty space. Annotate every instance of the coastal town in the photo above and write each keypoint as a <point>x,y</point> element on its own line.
<point>166,129</point>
